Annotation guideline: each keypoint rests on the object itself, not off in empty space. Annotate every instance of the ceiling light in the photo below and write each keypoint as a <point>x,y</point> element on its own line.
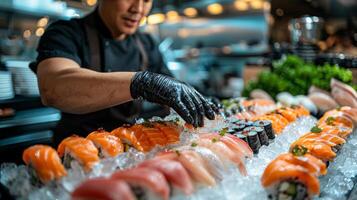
<point>240,5</point>
<point>190,12</point>
<point>39,32</point>
<point>42,22</point>
<point>215,9</point>
<point>172,15</point>
<point>257,4</point>
<point>156,18</point>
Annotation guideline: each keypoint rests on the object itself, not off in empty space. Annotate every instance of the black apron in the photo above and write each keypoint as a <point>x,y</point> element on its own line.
<point>109,118</point>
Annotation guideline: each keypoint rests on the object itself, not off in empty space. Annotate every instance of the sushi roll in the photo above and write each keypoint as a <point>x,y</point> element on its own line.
<point>45,162</point>
<point>131,137</point>
<point>239,127</point>
<point>267,125</point>
<point>293,177</point>
<point>79,149</point>
<point>253,140</point>
<point>107,144</point>
<point>263,138</point>
<point>241,136</point>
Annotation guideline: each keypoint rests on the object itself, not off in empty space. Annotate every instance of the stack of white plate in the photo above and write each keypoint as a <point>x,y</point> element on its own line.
<point>6,89</point>
<point>24,80</point>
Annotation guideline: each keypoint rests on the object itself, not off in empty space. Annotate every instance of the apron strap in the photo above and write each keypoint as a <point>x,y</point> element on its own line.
<point>144,55</point>
<point>93,43</point>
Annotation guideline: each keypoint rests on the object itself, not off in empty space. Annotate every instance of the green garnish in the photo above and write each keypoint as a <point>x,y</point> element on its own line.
<point>299,150</point>
<point>223,131</point>
<point>177,152</point>
<point>338,108</point>
<point>194,144</point>
<point>316,129</point>
<point>214,140</point>
<point>330,121</point>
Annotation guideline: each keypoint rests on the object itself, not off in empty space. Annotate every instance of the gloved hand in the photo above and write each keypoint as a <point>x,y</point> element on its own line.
<point>184,99</point>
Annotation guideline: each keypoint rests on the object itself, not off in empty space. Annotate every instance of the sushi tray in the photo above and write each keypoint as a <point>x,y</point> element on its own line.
<point>254,149</point>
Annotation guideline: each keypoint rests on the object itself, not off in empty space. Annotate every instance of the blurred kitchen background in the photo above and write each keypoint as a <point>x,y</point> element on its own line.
<point>214,45</point>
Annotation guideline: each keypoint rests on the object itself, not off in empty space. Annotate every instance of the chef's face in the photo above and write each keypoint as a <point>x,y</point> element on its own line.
<point>125,15</point>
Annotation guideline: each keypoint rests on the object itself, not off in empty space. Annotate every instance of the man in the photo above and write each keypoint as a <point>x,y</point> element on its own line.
<point>93,68</point>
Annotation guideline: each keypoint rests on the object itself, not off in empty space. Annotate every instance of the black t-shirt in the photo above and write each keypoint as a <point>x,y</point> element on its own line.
<point>68,39</point>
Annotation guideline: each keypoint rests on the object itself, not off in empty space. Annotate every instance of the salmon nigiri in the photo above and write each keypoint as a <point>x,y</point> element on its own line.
<point>317,148</point>
<point>80,149</point>
<point>287,113</point>
<point>327,137</point>
<point>109,145</point>
<point>142,178</point>
<point>127,135</point>
<point>339,121</point>
<point>171,131</point>
<point>173,171</point>
<point>300,110</point>
<point>334,130</point>
<point>104,189</point>
<point>311,163</point>
<point>44,159</point>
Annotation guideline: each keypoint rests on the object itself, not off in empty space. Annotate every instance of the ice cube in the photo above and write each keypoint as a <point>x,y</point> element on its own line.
<point>75,176</point>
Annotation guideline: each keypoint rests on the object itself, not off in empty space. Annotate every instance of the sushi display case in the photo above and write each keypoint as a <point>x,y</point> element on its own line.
<point>254,149</point>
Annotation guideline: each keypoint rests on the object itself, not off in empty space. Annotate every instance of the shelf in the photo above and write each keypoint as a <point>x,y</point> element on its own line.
<point>37,12</point>
<point>21,102</point>
<point>34,138</point>
<point>31,117</point>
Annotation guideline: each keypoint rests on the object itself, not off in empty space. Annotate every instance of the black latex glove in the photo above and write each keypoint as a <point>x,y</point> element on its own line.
<point>184,99</point>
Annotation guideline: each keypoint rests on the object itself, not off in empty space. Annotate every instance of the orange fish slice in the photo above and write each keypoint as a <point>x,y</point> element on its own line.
<point>311,163</point>
<point>336,120</point>
<point>327,137</point>
<point>279,170</point>
<point>334,130</point>
<point>171,131</point>
<point>287,113</point>
<point>278,122</point>
<point>155,135</point>
<point>127,135</point>
<point>109,145</point>
<point>317,148</point>
<point>44,159</point>
<point>81,149</point>
<point>258,102</point>
<point>143,139</point>
<point>300,110</point>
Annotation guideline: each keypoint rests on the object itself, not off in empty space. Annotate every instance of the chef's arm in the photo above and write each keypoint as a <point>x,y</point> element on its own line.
<point>65,85</point>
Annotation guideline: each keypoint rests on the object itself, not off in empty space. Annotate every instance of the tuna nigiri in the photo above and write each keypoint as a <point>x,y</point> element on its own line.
<point>173,171</point>
<point>108,145</point>
<point>104,189</point>
<point>80,149</point>
<point>144,178</point>
<point>44,159</point>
